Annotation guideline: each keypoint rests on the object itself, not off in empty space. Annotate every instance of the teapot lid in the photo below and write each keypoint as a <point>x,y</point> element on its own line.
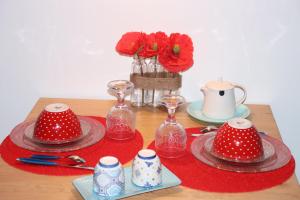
<point>219,85</point>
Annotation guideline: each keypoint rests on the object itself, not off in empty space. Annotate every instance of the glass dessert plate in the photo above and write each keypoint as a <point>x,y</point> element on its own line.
<point>276,155</point>
<point>29,130</point>
<point>92,132</point>
<point>269,152</point>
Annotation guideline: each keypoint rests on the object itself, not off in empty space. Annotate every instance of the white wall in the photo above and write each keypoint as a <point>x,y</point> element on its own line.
<point>66,49</point>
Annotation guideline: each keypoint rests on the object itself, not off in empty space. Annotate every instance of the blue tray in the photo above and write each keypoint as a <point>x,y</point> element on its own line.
<point>85,185</point>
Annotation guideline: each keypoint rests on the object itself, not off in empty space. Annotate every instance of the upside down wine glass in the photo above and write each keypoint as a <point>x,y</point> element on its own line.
<point>170,138</point>
<point>120,121</point>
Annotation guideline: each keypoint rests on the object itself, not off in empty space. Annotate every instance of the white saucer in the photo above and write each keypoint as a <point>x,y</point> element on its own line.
<point>194,109</point>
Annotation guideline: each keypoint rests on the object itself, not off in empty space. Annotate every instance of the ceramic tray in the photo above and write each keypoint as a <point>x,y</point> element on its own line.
<point>85,185</point>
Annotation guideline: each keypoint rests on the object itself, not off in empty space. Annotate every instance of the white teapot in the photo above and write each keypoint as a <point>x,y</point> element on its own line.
<point>219,99</point>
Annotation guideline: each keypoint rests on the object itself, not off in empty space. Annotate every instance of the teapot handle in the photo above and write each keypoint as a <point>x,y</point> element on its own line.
<point>243,99</point>
<point>203,90</point>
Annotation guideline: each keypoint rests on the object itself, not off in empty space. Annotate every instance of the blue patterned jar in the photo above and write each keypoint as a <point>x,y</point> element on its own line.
<point>108,179</point>
<point>146,169</point>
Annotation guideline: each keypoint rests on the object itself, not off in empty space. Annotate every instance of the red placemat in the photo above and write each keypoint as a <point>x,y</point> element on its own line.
<point>197,175</point>
<point>123,150</point>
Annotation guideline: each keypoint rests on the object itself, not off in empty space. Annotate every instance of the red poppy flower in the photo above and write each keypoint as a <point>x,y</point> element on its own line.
<point>131,43</point>
<point>155,42</point>
<point>177,56</point>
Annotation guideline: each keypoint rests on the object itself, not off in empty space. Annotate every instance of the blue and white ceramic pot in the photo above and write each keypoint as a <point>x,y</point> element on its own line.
<point>108,177</point>
<point>146,169</point>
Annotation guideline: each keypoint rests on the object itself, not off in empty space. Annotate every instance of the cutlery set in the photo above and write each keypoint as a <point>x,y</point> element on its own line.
<point>48,160</point>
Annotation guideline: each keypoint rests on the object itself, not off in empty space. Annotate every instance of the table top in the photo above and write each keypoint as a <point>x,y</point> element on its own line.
<point>18,184</point>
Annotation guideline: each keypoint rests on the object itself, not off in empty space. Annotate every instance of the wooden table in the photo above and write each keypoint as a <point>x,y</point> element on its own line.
<point>17,184</point>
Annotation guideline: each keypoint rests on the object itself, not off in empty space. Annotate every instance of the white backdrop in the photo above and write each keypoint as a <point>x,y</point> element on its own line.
<point>65,48</point>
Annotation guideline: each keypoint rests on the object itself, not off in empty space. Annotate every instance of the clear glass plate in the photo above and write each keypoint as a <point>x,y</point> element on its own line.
<point>268,149</point>
<point>271,162</point>
<point>93,131</point>
<point>29,130</point>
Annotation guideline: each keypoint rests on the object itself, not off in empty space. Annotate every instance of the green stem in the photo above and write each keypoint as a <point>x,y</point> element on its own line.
<point>142,74</point>
<point>173,75</point>
<point>155,72</point>
<point>140,63</point>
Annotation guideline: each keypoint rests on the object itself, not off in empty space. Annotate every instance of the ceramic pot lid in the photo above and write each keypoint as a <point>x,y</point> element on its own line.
<point>219,85</point>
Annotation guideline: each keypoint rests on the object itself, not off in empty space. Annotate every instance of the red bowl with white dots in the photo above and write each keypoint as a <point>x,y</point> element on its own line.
<point>238,140</point>
<point>57,124</point>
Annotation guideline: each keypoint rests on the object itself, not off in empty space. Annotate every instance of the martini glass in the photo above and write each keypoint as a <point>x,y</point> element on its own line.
<point>170,138</point>
<point>120,121</point>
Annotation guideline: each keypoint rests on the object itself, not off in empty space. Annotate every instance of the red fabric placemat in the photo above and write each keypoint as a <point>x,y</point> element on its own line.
<point>123,150</point>
<point>197,175</point>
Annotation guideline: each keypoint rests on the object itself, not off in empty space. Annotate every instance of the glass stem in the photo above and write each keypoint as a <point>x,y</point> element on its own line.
<point>121,99</point>
<point>171,115</point>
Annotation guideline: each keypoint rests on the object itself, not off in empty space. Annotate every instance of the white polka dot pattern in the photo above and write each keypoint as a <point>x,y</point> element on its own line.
<point>240,144</point>
<point>57,126</point>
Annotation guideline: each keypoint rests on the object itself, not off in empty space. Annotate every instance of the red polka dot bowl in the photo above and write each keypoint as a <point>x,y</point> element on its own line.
<point>238,140</point>
<point>57,124</point>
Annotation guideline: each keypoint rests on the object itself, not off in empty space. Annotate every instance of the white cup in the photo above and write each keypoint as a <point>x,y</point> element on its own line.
<point>146,169</point>
<point>108,179</point>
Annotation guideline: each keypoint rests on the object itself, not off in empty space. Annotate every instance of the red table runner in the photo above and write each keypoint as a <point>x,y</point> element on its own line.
<point>197,175</point>
<point>123,150</point>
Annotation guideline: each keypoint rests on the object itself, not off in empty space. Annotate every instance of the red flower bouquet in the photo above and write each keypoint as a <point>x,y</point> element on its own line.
<point>158,60</point>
